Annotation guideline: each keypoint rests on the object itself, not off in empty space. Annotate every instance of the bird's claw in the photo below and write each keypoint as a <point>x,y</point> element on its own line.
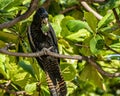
<point>45,50</point>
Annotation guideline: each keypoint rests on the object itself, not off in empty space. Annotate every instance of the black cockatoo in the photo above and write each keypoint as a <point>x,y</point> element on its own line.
<point>41,35</point>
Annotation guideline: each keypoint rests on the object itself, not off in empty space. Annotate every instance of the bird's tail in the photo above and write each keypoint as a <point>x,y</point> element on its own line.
<point>56,83</point>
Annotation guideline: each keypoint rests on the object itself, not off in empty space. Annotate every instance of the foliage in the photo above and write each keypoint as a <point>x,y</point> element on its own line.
<point>79,33</point>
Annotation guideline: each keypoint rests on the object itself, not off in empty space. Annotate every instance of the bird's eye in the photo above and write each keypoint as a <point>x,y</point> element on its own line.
<point>44,16</point>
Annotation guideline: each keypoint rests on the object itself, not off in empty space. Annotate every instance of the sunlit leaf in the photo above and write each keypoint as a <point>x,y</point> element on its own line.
<point>68,71</point>
<point>4,3</point>
<point>44,91</point>
<point>30,88</point>
<point>91,20</point>
<point>65,30</point>
<point>12,4</point>
<point>2,66</point>
<point>78,36</point>
<point>75,25</point>
<point>56,24</point>
<point>64,43</point>
<point>105,20</point>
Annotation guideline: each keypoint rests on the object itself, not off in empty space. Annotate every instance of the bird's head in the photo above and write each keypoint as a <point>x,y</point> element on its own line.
<point>41,16</point>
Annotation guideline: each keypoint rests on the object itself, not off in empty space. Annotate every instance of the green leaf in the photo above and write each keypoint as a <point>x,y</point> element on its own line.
<point>105,20</point>
<point>64,43</point>
<point>96,44</point>
<point>56,24</point>
<point>2,66</point>
<point>91,20</point>
<point>44,91</point>
<point>4,3</point>
<point>8,37</point>
<point>90,74</point>
<point>65,30</point>
<point>30,88</point>
<point>75,25</point>
<point>85,50</point>
<point>2,44</point>
<point>13,4</point>
<point>78,36</point>
<point>68,71</point>
<point>45,28</point>
<point>27,68</point>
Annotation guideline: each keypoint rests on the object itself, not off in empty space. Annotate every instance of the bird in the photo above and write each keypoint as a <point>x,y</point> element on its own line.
<point>41,35</point>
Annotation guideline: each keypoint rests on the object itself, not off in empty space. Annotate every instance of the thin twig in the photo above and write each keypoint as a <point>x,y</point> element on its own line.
<point>99,1</point>
<point>112,49</point>
<point>116,16</point>
<point>68,9</point>
<point>31,9</point>
<point>96,65</point>
<point>88,8</point>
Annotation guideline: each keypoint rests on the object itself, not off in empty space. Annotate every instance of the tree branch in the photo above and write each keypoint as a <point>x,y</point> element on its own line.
<point>88,8</point>
<point>68,9</point>
<point>40,53</point>
<point>100,70</point>
<point>5,87</point>
<point>48,52</point>
<point>31,9</point>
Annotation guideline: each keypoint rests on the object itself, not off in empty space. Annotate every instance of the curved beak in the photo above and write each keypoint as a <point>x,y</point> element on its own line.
<point>45,21</point>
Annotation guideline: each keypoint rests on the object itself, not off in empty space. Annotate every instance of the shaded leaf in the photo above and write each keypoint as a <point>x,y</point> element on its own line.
<point>2,44</point>
<point>8,37</point>
<point>27,68</point>
<point>96,44</point>
<point>111,4</point>
<point>85,50</point>
<point>91,75</point>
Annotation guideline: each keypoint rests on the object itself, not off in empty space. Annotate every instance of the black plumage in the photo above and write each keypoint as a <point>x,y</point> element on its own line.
<point>41,35</point>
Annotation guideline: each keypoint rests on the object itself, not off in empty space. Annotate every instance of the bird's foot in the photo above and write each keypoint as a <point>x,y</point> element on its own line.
<point>45,50</point>
<point>50,48</point>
